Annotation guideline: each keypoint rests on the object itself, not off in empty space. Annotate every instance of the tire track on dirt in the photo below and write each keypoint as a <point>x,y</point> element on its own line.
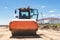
<point>50,35</point>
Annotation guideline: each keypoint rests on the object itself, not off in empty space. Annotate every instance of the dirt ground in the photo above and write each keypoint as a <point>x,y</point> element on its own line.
<point>5,34</point>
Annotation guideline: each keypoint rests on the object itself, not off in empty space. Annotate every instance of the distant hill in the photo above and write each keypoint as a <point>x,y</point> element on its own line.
<point>3,25</point>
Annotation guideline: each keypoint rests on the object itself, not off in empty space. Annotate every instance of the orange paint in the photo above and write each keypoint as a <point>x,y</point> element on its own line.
<point>23,25</point>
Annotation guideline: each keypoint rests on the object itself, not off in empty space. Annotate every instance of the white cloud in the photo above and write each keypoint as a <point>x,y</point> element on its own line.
<point>5,7</point>
<point>52,15</point>
<point>44,15</point>
<point>58,15</point>
<point>43,6</point>
<point>51,11</point>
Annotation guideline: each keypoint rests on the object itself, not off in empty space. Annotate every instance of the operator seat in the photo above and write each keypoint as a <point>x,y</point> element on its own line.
<point>24,16</point>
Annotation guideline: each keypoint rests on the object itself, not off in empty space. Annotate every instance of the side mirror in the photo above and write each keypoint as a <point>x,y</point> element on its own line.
<point>16,16</point>
<point>15,11</point>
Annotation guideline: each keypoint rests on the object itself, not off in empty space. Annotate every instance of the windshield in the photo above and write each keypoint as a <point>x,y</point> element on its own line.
<point>33,14</point>
<point>24,13</point>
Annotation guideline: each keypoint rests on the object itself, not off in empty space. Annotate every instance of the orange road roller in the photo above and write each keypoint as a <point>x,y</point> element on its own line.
<point>25,23</point>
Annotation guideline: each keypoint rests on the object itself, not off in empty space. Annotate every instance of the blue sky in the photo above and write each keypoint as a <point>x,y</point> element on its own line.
<point>49,8</point>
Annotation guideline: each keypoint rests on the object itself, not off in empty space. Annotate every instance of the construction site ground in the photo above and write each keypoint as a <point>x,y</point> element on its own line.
<point>45,34</point>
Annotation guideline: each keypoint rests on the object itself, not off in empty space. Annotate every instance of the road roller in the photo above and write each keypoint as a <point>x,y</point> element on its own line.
<point>25,22</point>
